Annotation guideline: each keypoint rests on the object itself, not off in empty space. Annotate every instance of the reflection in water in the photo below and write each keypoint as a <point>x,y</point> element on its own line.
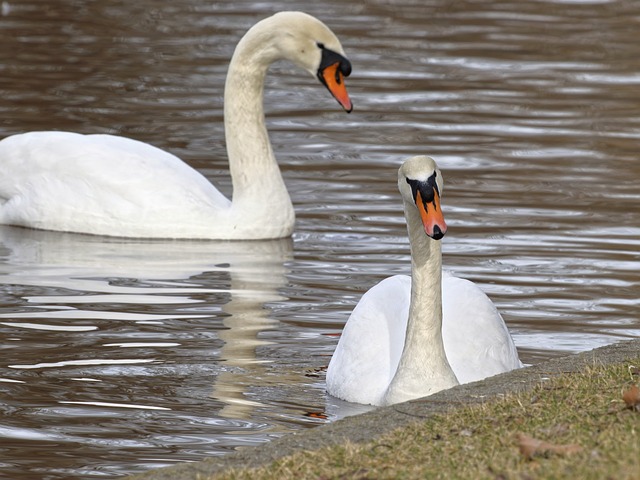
<point>253,287</point>
<point>76,284</point>
<point>530,109</point>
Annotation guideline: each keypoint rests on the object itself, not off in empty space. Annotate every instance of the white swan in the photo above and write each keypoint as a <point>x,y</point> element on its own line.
<point>109,185</point>
<point>410,337</point>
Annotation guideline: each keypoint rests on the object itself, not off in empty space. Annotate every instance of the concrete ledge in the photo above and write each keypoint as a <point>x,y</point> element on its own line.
<point>368,425</point>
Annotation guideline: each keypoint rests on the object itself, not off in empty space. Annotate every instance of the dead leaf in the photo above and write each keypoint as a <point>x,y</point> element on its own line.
<point>529,447</point>
<point>632,397</point>
<point>318,415</point>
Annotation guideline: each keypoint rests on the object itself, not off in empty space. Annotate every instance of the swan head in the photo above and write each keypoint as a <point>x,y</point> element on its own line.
<point>311,45</point>
<point>420,183</point>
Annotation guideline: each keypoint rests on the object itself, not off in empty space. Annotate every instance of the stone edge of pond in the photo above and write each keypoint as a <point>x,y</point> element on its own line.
<point>363,427</point>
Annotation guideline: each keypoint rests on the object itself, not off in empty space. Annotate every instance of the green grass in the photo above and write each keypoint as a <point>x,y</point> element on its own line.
<point>483,441</point>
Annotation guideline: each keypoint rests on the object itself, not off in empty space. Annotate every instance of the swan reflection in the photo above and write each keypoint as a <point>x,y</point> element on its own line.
<point>51,281</point>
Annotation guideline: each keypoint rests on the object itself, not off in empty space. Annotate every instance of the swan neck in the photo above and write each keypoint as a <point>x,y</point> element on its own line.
<point>423,368</point>
<point>425,313</point>
<point>259,192</point>
<point>248,145</point>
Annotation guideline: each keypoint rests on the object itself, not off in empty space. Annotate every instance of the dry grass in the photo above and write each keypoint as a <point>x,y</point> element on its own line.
<point>572,426</point>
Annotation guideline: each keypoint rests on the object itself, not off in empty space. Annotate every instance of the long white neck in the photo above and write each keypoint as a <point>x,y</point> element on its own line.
<point>423,368</point>
<point>260,197</point>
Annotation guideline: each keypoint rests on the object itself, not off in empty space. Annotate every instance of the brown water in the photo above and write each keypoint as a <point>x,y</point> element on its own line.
<point>121,356</point>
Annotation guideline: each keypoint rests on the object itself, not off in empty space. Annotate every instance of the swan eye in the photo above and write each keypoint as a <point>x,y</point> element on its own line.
<point>320,45</point>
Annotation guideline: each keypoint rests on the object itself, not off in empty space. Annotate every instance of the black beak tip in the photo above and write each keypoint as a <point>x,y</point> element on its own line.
<point>437,233</point>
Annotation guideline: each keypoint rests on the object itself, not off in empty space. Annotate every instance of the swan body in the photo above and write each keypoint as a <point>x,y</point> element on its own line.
<point>410,337</point>
<point>111,185</point>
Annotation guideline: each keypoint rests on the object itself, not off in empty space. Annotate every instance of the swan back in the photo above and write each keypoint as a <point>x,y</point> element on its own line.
<point>476,339</point>
<point>101,184</point>
<point>368,352</point>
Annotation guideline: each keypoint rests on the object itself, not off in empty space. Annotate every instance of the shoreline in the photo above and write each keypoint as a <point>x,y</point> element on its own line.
<point>366,426</point>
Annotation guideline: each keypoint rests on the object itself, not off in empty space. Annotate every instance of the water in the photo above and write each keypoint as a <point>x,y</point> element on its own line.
<point>125,355</point>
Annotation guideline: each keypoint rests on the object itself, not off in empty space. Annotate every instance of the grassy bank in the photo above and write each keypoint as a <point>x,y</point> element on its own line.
<point>581,425</point>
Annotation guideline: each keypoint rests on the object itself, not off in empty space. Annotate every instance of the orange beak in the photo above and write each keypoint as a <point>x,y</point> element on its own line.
<point>333,79</point>
<point>431,215</point>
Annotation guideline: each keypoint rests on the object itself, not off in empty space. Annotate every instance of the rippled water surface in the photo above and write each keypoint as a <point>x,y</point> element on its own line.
<point>120,356</point>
